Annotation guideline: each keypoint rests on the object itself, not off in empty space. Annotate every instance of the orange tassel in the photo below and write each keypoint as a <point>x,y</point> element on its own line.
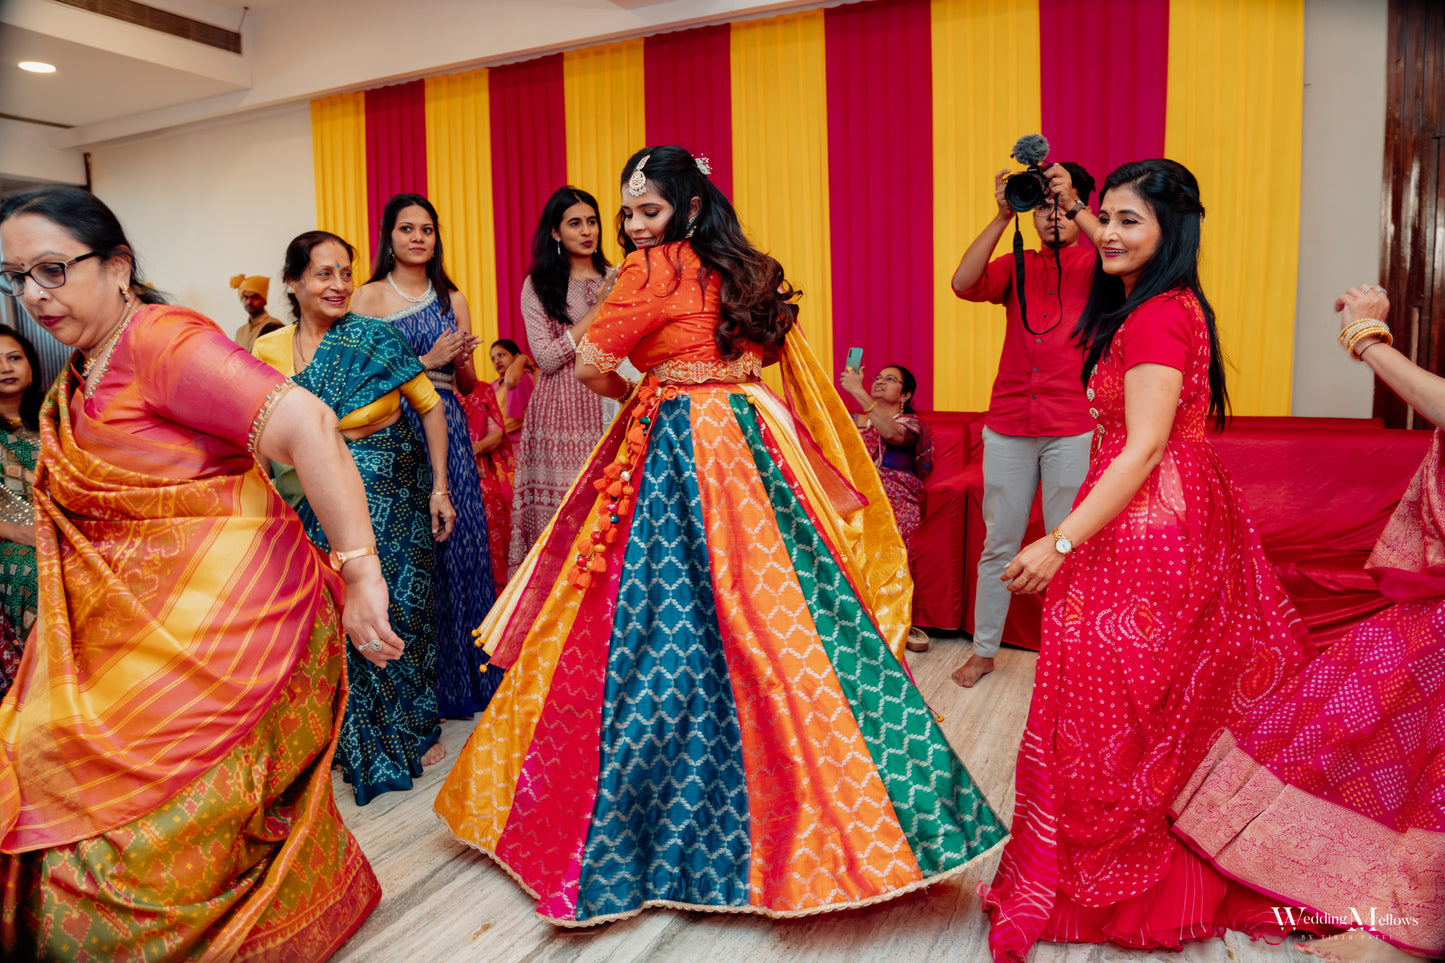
<point>597,564</point>
<point>610,536</point>
<point>628,490</point>
<point>615,489</point>
<point>623,507</point>
<point>582,579</point>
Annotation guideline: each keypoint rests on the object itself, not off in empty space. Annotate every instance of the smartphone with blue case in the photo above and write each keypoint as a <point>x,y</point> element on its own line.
<point>855,359</point>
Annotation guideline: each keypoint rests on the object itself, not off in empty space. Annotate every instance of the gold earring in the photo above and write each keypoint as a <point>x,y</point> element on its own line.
<point>125,294</point>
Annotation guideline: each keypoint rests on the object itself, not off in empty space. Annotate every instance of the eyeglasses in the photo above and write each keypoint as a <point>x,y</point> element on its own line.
<point>47,274</point>
<point>889,379</point>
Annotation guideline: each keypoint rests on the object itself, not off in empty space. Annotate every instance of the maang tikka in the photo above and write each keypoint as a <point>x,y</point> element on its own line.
<point>637,183</point>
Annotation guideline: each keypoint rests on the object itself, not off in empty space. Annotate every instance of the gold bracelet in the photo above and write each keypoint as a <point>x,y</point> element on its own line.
<point>869,409</point>
<point>1355,326</point>
<point>339,559</point>
<point>1360,335</point>
<point>442,492</point>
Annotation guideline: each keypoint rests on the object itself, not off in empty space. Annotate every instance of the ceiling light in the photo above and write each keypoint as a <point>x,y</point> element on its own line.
<point>36,67</point>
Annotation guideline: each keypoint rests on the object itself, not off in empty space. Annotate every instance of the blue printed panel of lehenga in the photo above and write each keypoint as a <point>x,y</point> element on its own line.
<point>465,590</point>
<point>671,817</point>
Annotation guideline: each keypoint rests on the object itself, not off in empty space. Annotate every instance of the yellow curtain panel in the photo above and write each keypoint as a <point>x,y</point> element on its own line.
<point>780,156</point>
<point>606,122</point>
<point>1235,118</point>
<point>459,185</point>
<point>982,103</point>
<point>338,144</point>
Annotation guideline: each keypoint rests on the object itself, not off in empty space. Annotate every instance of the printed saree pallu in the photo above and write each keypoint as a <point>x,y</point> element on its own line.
<point>391,719</point>
<point>165,755</point>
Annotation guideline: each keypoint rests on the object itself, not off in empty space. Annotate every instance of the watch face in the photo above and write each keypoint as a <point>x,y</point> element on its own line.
<point>1063,545</point>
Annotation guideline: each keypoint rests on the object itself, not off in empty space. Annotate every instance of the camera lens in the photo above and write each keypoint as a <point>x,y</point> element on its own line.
<point>1024,191</point>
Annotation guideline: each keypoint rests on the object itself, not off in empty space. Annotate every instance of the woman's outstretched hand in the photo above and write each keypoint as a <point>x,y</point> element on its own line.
<point>1362,301</point>
<point>1030,571</point>
<point>364,616</point>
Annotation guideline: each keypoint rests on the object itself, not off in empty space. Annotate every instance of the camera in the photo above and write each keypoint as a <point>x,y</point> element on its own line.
<point>1028,188</point>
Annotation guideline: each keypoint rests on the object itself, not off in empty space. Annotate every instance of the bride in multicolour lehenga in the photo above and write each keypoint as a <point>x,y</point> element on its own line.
<point>706,706</point>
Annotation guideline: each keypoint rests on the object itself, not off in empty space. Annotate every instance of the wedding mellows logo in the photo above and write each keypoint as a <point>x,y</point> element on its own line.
<point>1293,917</point>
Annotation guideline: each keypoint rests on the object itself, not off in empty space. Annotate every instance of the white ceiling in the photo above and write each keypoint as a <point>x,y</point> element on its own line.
<point>90,84</point>
<point>118,81</point>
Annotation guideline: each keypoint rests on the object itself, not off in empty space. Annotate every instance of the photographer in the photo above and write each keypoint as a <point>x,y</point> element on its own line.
<point>1038,428</point>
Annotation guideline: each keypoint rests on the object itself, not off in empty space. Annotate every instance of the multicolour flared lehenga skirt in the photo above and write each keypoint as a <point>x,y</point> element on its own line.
<point>715,722</point>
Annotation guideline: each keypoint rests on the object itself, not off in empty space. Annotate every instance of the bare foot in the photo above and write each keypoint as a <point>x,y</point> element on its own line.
<point>968,674</point>
<point>1355,946</point>
<point>434,755</point>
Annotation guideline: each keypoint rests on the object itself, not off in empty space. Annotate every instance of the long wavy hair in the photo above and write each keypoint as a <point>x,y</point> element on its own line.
<point>30,398</point>
<point>551,268</point>
<point>757,300</point>
<point>385,257</point>
<point>1172,193</point>
<point>298,258</point>
<point>84,217</point>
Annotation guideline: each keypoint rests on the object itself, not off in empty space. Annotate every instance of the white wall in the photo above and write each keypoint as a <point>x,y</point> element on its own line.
<point>26,155</point>
<point>204,204</point>
<point>1340,196</point>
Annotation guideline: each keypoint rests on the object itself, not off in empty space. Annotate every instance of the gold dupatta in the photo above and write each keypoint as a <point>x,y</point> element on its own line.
<point>172,614</point>
<point>869,535</point>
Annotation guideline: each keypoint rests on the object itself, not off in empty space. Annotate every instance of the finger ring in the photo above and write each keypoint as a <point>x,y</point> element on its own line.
<point>374,644</point>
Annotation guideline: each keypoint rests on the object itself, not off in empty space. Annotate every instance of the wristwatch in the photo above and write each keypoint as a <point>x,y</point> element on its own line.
<point>1073,212</point>
<point>1062,543</point>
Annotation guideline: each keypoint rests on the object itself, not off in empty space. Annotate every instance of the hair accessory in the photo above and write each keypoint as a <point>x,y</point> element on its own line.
<point>704,165</point>
<point>637,183</point>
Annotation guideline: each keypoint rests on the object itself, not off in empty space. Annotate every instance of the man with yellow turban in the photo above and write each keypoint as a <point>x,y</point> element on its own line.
<point>253,299</point>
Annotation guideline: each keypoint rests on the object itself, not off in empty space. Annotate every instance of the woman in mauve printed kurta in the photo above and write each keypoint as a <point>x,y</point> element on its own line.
<point>563,419</point>
<point>1329,799</point>
<point>1164,626</point>
<point>707,708</point>
<point>186,803</point>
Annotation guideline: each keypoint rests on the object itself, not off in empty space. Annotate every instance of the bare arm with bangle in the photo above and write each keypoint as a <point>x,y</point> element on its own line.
<point>439,503</point>
<point>1365,335</point>
<point>302,431</point>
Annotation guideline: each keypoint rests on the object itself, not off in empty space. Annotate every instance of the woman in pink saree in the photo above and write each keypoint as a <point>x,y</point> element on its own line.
<point>1330,797</point>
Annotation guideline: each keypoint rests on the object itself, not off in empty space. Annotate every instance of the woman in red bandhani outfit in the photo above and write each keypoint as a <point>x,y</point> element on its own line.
<point>1329,800</point>
<point>165,754</point>
<point>1164,621</point>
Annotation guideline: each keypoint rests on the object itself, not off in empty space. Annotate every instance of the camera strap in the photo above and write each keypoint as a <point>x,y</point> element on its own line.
<point>1019,283</point>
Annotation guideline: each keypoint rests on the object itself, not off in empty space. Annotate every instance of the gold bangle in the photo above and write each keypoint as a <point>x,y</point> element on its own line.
<point>442,492</point>
<point>869,409</point>
<point>339,559</point>
<point>1355,326</point>
<point>1360,329</point>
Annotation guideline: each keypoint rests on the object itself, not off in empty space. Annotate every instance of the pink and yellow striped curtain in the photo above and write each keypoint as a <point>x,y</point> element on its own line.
<point>859,145</point>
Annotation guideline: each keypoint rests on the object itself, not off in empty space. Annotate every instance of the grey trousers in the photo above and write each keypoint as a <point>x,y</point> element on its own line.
<point>1013,468</point>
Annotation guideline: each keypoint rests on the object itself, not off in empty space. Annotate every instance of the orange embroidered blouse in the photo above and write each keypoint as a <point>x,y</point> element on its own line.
<point>661,313</point>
